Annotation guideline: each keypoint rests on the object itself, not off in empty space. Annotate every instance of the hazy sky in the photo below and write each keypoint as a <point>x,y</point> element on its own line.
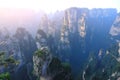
<point>53,5</point>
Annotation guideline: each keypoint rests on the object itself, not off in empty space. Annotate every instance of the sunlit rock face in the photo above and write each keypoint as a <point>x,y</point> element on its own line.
<point>70,19</point>
<point>75,20</point>
<point>82,25</point>
<point>115,29</point>
<point>115,33</point>
<point>41,60</point>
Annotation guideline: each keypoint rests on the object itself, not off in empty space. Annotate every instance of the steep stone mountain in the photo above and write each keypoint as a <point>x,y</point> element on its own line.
<point>84,31</point>
<point>48,33</point>
<point>78,36</point>
<point>6,42</point>
<point>26,42</point>
<point>21,47</point>
<point>41,39</point>
<point>47,67</point>
<point>103,67</point>
<point>115,29</point>
<point>27,47</point>
<point>9,45</point>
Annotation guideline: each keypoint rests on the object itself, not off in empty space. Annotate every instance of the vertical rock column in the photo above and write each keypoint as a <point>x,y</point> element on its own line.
<point>82,26</point>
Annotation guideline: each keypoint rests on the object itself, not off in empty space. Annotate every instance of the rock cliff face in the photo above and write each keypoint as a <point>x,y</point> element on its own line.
<point>10,49</point>
<point>27,46</point>
<point>105,66</point>
<point>8,44</point>
<point>86,25</point>
<point>78,36</point>
<point>26,43</point>
<point>41,61</point>
<point>115,29</point>
<point>41,39</point>
<point>84,31</point>
<point>47,67</point>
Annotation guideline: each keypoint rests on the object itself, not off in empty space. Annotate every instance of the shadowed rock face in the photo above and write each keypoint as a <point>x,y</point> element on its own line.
<point>27,47</point>
<point>103,67</point>
<point>84,31</point>
<point>10,48</point>
<point>26,43</point>
<point>41,39</point>
<point>20,47</point>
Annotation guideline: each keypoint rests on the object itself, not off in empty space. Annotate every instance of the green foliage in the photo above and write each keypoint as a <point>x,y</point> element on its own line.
<point>42,53</point>
<point>102,68</point>
<point>10,60</point>
<point>60,70</point>
<point>6,61</point>
<point>2,57</point>
<point>2,53</point>
<point>39,53</point>
<point>66,66</point>
<point>5,76</point>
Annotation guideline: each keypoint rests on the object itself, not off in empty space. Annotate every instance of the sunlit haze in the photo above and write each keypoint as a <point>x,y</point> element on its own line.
<point>17,13</point>
<point>53,5</point>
